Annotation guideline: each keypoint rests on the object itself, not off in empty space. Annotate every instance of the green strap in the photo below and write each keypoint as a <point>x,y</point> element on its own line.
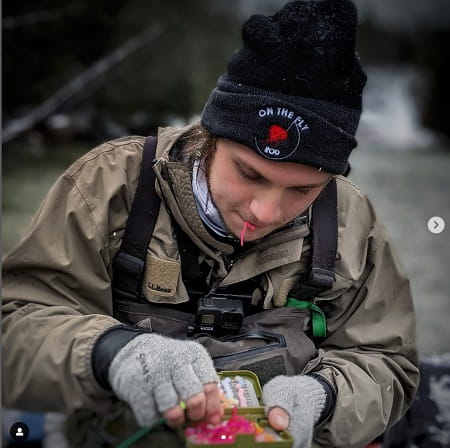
<point>144,431</point>
<point>319,321</point>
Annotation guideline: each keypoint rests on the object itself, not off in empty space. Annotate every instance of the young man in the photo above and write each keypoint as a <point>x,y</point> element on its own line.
<point>238,193</point>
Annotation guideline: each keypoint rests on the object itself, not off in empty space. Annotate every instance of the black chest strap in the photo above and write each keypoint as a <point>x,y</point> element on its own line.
<point>324,229</point>
<point>128,265</point>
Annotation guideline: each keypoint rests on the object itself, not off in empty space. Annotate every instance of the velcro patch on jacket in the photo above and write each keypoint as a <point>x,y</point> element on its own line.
<point>161,276</point>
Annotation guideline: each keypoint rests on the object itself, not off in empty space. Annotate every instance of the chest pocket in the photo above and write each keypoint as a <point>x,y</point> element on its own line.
<point>271,342</point>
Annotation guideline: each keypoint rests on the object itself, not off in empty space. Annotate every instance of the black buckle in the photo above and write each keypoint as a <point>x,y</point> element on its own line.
<point>318,280</point>
<point>321,278</point>
<point>128,271</point>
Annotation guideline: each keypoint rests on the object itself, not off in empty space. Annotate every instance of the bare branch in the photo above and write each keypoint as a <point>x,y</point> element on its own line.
<point>37,17</point>
<point>18,126</point>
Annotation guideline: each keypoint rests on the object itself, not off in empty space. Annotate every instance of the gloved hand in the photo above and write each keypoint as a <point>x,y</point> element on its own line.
<point>302,398</point>
<point>153,373</point>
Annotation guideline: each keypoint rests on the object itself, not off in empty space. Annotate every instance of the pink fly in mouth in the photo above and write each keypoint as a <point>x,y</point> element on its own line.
<point>247,225</point>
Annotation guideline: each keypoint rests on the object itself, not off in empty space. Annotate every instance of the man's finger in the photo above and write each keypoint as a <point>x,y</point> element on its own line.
<point>196,406</point>
<point>174,416</point>
<point>278,419</point>
<point>214,410</point>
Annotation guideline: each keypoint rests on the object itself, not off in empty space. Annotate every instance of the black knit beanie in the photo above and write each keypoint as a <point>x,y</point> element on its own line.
<point>293,92</point>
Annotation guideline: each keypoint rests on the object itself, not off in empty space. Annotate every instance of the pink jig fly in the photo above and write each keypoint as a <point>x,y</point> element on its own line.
<point>247,225</point>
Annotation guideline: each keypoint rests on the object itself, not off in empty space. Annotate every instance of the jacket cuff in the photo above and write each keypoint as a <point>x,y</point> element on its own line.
<point>106,348</point>
<point>330,394</point>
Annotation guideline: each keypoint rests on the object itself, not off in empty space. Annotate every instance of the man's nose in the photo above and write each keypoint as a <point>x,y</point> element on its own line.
<point>266,208</point>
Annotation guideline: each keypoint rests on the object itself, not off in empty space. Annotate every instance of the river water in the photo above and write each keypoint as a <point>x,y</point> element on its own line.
<point>406,188</point>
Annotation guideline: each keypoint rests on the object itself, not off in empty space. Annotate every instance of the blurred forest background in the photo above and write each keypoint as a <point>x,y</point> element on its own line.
<point>79,72</point>
<point>89,70</point>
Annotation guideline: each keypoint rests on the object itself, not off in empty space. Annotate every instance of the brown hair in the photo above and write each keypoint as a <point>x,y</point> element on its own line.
<point>197,143</point>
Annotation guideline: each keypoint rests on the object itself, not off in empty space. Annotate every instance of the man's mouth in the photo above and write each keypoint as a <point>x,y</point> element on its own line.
<point>247,225</point>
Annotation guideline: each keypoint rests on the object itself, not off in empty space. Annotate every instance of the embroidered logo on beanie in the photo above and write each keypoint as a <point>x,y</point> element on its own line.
<point>280,132</point>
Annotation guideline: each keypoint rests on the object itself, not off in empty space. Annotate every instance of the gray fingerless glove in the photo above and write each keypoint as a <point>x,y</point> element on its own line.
<point>303,398</point>
<point>153,373</point>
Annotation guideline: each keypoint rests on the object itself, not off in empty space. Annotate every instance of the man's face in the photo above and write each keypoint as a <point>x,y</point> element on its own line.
<point>268,194</point>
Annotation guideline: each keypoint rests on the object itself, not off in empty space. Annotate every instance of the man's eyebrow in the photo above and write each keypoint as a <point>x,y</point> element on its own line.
<point>241,164</point>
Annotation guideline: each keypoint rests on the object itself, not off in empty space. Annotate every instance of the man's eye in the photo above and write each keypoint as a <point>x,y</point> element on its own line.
<point>303,191</point>
<point>247,175</point>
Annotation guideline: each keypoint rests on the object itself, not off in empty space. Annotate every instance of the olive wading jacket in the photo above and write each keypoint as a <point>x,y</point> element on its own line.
<point>57,291</point>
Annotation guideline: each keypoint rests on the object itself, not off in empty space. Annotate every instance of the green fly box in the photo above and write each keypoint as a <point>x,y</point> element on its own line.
<point>244,424</point>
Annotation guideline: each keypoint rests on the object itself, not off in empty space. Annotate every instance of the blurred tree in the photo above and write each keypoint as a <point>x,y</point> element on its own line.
<point>435,56</point>
<point>414,33</point>
<point>174,76</point>
<point>46,44</point>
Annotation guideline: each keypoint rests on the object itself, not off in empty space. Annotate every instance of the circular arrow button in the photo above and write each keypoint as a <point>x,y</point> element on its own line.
<point>436,224</point>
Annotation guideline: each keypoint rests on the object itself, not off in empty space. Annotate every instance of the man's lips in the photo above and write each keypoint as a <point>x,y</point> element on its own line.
<point>250,224</point>
<point>255,226</point>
